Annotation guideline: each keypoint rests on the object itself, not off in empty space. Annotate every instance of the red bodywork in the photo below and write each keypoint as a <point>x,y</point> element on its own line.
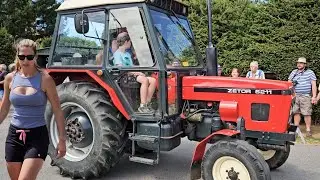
<point>77,74</point>
<point>172,86</point>
<point>200,149</point>
<point>234,105</point>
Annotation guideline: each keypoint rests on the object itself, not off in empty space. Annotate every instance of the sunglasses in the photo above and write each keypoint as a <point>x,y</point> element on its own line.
<point>23,57</point>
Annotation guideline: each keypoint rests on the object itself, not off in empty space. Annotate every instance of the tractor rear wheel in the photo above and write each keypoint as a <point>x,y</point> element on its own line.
<point>95,131</point>
<point>275,158</point>
<point>234,160</point>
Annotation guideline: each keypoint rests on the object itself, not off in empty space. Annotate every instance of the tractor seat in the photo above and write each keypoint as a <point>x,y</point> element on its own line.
<point>131,89</point>
<point>129,82</point>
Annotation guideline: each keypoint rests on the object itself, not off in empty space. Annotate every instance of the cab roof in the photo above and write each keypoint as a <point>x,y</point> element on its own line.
<point>75,4</point>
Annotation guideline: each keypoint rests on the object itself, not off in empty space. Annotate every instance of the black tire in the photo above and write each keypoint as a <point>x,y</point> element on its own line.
<point>239,150</point>
<point>108,125</point>
<point>279,158</point>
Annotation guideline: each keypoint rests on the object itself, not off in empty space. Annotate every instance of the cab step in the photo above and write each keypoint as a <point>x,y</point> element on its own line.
<point>143,160</point>
<point>143,138</point>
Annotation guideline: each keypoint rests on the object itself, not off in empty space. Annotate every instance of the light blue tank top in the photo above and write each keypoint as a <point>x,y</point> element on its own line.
<point>28,109</point>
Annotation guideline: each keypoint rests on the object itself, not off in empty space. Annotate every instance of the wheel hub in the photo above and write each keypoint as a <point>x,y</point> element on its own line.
<point>232,174</point>
<point>79,130</point>
<point>229,168</point>
<point>74,130</point>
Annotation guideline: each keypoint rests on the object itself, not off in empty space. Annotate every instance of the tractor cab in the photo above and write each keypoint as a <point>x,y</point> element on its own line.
<point>162,48</point>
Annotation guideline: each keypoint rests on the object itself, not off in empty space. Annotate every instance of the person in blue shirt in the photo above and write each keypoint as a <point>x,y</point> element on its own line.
<point>148,84</point>
<point>304,81</point>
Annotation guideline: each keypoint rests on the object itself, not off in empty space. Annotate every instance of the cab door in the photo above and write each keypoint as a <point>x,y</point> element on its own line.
<point>131,61</point>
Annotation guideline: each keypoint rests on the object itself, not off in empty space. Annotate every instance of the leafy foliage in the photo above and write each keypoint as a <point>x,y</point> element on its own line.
<point>274,33</point>
<point>18,17</point>
<point>18,20</point>
<point>76,41</point>
<point>6,48</point>
<point>44,42</point>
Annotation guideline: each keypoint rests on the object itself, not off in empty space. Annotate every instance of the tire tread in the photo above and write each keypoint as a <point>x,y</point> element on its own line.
<point>113,127</point>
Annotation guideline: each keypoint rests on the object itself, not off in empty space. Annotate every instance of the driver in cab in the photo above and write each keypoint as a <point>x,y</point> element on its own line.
<point>148,84</point>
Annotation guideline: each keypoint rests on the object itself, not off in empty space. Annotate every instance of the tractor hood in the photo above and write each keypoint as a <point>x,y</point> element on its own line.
<point>229,85</point>
<point>218,81</point>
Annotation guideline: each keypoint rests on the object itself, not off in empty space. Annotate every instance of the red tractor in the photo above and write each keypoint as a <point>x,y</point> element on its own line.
<point>248,122</point>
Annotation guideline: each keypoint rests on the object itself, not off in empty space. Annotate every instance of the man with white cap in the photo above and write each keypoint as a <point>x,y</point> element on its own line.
<point>304,81</point>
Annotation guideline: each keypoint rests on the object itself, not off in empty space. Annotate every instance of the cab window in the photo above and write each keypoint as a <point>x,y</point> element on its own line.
<point>72,48</point>
<point>129,43</point>
<point>176,42</point>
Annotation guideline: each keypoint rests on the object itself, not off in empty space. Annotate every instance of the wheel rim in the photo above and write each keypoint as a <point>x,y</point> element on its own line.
<point>230,168</point>
<point>267,154</point>
<point>79,128</point>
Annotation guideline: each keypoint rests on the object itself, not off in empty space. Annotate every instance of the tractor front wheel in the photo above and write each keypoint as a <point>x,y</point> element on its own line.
<point>275,158</point>
<point>234,160</point>
<point>95,131</point>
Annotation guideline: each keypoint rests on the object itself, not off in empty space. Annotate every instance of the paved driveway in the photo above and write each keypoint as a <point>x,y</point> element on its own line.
<point>303,164</point>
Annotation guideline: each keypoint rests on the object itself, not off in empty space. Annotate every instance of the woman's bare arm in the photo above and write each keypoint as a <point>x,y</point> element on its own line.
<point>5,104</point>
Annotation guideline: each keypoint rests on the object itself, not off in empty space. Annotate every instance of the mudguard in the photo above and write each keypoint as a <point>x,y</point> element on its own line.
<point>200,149</point>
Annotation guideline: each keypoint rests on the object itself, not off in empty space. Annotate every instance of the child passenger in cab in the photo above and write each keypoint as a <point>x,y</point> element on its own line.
<point>148,84</point>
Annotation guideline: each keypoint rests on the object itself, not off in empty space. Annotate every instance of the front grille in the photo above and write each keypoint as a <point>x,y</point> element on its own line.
<point>260,111</point>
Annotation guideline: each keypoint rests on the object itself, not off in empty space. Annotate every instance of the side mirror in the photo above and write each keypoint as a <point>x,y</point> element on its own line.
<point>81,23</point>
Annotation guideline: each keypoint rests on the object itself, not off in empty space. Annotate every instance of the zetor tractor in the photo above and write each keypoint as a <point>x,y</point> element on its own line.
<point>247,122</point>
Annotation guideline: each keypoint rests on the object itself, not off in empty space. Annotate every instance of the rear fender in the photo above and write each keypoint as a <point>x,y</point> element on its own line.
<point>200,149</point>
<point>77,74</point>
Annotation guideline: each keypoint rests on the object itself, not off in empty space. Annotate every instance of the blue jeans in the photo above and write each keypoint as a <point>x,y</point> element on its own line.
<point>1,93</point>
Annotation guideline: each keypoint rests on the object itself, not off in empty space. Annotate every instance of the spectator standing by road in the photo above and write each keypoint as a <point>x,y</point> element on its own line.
<point>304,81</point>
<point>12,67</point>
<point>219,70</point>
<point>235,72</point>
<point>3,73</point>
<point>255,72</point>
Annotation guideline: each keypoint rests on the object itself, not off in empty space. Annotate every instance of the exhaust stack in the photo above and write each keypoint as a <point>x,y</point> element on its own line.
<point>211,51</point>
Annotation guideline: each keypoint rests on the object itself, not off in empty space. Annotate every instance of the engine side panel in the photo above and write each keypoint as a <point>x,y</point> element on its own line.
<point>264,104</point>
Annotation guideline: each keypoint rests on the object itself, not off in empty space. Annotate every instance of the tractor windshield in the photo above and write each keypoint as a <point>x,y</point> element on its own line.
<point>176,42</point>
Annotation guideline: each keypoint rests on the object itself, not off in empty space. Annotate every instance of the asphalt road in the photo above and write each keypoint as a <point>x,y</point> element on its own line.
<point>303,164</point>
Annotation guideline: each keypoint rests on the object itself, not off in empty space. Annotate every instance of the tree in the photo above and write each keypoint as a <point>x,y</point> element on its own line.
<point>45,11</point>
<point>19,17</point>
<point>6,49</point>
